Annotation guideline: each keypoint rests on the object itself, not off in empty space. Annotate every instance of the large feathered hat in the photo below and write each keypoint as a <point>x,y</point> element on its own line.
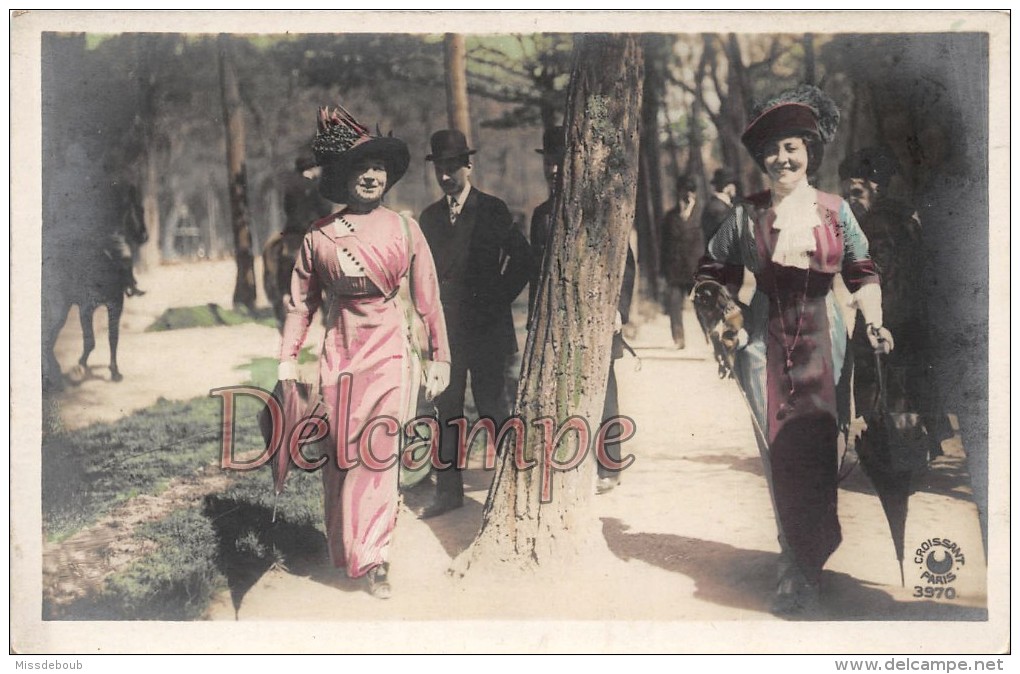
<point>341,142</point>
<point>803,110</point>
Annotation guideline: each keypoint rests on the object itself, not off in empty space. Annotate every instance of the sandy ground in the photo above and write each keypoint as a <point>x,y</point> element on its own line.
<point>688,534</point>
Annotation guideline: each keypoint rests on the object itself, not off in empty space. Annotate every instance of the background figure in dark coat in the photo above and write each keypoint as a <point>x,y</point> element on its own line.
<point>483,263</point>
<point>682,247</point>
<point>894,234</point>
<point>302,205</point>
<point>725,190</point>
<point>553,151</point>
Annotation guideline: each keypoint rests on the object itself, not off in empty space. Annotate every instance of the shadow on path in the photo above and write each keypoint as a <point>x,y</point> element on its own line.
<point>455,530</point>
<point>745,579</point>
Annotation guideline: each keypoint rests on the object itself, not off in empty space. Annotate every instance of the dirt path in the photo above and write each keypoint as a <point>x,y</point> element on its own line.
<point>688,535</point>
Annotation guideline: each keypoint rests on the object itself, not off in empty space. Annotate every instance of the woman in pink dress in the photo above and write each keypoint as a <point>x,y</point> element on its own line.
<point>795,239</point>
<point>351,265</point>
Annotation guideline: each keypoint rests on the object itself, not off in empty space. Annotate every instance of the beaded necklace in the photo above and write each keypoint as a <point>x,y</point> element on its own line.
<point>789,347</point>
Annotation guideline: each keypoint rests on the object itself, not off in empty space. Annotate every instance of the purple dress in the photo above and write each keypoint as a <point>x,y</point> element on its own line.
<point>794,358</point>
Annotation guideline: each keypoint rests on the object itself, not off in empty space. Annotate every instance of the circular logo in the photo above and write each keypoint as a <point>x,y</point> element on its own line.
<point>939,566</point>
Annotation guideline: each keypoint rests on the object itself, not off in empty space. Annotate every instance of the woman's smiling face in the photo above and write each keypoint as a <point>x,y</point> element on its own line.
<point>786,160</point>
<point>366,183</point>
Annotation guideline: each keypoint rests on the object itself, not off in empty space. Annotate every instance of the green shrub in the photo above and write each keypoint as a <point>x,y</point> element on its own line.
<point>208,315</point>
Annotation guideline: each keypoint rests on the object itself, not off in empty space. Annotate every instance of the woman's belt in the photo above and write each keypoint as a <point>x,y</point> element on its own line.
<point>356,286</point>
<point>793,283</point>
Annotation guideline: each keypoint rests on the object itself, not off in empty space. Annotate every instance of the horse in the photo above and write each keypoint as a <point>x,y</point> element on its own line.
<point>96,273</point>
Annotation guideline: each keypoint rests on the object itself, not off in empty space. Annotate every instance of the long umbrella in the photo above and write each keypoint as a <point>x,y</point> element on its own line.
<point>298,401</point>
<point>891,449</point>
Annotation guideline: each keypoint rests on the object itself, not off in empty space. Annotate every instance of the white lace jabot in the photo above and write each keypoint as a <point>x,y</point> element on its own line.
<point>796,219</point>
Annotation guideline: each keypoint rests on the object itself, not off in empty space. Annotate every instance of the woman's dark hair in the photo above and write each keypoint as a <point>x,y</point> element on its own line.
<point>815,151</point>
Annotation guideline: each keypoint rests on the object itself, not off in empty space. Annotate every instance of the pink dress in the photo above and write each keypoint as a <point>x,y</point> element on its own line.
<point>353,264</point>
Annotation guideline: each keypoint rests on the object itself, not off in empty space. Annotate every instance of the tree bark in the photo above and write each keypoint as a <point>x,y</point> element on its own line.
<point>237,181</point>
<point>567,355</point>
<point>649,211</point>
<point>457,111</point>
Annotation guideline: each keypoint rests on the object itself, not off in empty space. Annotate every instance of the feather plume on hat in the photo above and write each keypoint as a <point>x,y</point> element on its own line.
<point>340,141</point>
<point>803,109</point>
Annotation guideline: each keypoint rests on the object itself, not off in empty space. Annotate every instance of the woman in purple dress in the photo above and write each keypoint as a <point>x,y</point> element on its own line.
<point>351,264</point>
<point>795,239</point>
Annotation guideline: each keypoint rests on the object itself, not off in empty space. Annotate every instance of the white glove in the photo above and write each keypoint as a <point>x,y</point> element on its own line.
<point>868,299</point>
<point>618,323</point>
<point>288,369</point>
<point>880,338</point>
<point>437,378</point>
<point>742,339</point>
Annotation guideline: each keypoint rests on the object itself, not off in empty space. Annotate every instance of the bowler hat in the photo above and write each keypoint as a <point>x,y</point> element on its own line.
<point>723,177</point>
<point>341,142</point>
<point>554,143</point>
<point>448,144</point>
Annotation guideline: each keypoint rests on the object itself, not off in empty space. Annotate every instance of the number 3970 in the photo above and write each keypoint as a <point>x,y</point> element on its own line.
<point>934,592</point>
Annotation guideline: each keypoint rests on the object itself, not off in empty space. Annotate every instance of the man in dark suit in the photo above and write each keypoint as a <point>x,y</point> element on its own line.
<point>681,250</point>
<point>725,190</point>
<point>483,263</point>
<point>553,151</point>
<point>896,244</point>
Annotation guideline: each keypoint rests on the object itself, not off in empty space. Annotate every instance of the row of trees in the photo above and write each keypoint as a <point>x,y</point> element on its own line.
<point>166,110</point>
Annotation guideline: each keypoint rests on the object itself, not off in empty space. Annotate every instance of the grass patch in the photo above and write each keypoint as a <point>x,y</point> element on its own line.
<point>87,473</point>
<point>207,316</point>
<point>175,582</point>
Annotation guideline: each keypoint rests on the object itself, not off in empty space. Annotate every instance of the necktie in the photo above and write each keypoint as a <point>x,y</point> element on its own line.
<point>453,210</point>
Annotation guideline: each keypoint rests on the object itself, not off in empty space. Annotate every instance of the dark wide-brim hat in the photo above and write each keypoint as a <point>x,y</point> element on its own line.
<point>806,110</point>
<point>723,177</point>
<point>876,164</point>
<point>341,142</point>
<point>554,143</point>
<point>448,144</point>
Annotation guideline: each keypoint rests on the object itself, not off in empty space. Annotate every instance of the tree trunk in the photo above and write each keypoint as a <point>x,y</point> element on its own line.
<point>457,112</point>
<point>237,181</point>
<point>735,111</point>
<point>695,137</point>
<point>567,355</point>
<point>152,252</point>
<point>729,138</point>
<point>809,59</point>
<point>647,232</point>
<point>648,211</point>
